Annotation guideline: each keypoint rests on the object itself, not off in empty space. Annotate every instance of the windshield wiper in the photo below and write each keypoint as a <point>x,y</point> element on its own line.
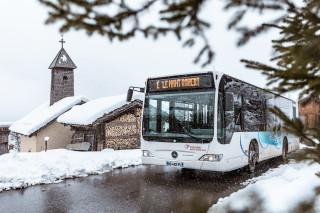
<point>190,135</point>
<point>185,131</point>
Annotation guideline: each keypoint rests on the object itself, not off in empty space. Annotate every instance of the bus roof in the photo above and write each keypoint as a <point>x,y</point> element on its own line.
<point>179,74</point>
<point>266,90</point>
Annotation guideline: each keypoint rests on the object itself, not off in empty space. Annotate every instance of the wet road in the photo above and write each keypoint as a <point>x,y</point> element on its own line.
<point>136,189</point>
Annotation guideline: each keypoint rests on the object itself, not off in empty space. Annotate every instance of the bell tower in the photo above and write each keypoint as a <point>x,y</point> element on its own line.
<point>62,76</point>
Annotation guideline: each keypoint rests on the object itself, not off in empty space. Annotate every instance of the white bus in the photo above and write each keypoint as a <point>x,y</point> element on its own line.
<point>212,121</point>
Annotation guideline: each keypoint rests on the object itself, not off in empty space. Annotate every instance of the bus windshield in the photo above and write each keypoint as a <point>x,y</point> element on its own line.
<point>179,117</point>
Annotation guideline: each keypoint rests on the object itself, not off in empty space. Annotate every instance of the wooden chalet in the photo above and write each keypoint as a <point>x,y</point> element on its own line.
<point>309,112</point>
<point>117,128</point>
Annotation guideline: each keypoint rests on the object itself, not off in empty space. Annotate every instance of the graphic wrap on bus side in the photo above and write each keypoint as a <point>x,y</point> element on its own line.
<point>269,138</point>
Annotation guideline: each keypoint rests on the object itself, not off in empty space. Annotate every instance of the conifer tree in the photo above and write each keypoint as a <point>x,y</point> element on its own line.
<point>296,66</point>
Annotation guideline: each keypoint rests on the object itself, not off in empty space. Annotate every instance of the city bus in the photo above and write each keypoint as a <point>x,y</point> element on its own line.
<point>212,121</point>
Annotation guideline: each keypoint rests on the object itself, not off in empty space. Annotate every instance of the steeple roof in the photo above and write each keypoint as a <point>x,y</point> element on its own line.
<point>62,60</point>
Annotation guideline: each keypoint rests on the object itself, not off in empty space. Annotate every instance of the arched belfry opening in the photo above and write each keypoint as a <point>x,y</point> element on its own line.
<point>62,76</point>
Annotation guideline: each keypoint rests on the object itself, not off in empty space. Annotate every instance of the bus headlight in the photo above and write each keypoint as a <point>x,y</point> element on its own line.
<point>211,157</point>
<point>146,153</point>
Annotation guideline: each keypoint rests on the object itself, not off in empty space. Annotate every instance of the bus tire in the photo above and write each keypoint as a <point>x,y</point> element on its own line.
<point>285,149</point>
<point>253,156</point>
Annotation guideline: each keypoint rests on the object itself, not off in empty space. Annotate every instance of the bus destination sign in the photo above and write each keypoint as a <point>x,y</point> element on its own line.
<point>183,82</point>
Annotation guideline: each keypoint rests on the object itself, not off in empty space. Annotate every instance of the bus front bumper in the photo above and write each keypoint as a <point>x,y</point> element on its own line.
<point>219,166</point>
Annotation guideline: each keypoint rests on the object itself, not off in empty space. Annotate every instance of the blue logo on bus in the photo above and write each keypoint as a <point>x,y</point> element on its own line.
<point>269,138</point>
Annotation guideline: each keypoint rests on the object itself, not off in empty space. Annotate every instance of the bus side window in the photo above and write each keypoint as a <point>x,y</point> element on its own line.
<point>220,119</point>
<point>238,112</point>
<point>270,117</point>
<point>228,116</point>
<point>254,110</point>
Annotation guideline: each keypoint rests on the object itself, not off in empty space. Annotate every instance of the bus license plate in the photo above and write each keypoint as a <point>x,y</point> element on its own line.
<point>176,164</point>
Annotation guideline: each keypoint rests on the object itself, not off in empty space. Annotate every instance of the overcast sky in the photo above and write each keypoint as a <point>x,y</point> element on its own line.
<point>28,46</point>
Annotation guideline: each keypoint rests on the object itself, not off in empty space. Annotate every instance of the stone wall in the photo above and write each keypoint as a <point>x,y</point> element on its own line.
<point>62,84</point>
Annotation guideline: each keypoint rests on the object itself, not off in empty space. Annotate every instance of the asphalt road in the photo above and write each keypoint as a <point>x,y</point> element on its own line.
<point>135,189</point>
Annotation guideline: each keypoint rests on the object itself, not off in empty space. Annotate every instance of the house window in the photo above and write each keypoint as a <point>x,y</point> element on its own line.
<point>89,138</point>
<point>64,84</point>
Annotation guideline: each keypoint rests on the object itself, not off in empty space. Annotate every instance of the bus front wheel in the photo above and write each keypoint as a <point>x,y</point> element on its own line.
<point>253,156</point>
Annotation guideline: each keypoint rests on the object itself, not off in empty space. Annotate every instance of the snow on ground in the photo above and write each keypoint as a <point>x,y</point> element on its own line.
<point>92,110</point>
<point>280,189</point>
<point>19,170</point>
<point>44,114</point>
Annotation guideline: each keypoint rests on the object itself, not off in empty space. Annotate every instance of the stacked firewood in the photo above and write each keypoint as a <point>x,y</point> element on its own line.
<point>117,144</point>
<point>123,132</point>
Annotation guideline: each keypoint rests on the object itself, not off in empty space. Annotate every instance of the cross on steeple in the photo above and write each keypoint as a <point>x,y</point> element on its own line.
<point>62,41</point>
<point>62,59</point>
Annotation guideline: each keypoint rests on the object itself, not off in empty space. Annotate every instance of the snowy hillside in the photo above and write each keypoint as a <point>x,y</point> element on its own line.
<point>19,170</point>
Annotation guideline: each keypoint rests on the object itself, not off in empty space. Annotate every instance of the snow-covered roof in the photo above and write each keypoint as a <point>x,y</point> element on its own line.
<point>44,114</point>
<point>89,112</point>
<point>5,124</point>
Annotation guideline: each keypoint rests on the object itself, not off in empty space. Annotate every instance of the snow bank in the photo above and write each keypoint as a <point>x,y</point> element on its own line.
<point>44,114</point>
<point>89,112</point>
<point>280,189</point>
<point>19,170</point>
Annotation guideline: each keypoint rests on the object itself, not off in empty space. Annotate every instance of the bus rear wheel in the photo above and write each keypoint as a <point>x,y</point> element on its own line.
<point>253,156</point>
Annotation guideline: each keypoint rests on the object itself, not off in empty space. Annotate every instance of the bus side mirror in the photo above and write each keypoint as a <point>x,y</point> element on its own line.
<point>129,94</point>
<point>229,102</point>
